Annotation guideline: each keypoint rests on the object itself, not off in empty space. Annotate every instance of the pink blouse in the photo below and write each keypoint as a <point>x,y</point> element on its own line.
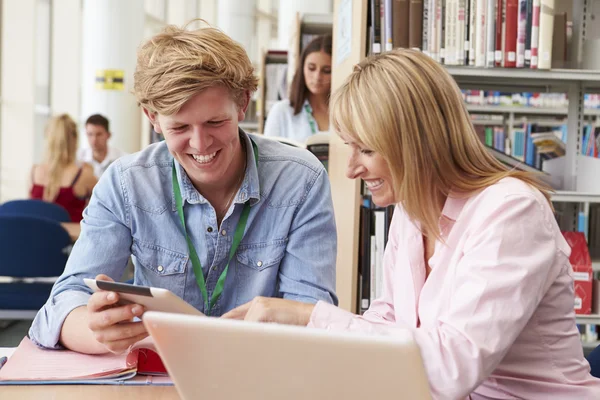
<point>494,319</point>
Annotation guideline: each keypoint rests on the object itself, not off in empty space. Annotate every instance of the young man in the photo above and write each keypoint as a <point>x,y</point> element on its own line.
<point>213,214</point>
<point>100,155</point>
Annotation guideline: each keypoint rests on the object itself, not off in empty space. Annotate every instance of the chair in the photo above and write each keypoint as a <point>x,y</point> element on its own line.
<point>33,251</point>
<point>594,360</point>
<point>35,208</point>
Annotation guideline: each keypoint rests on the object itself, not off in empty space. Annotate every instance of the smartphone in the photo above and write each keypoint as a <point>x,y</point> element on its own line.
<point>153,299</point>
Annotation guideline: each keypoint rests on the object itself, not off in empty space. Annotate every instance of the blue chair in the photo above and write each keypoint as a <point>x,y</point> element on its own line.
<point>35,208</point>
<point>29,248</point>
<point>594,360</point>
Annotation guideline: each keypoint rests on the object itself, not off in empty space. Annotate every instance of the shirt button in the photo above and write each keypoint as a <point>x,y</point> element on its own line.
<point>259,263</point>
<point>209,229</point>
<point>160,268</point>
<point>223,232</point>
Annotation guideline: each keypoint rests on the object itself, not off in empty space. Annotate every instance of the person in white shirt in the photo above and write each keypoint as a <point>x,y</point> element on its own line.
<point>306,112</point>
<point>100,155</point>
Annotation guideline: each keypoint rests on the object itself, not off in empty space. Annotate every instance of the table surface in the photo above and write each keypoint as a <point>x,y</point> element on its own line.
<point>87,392</point>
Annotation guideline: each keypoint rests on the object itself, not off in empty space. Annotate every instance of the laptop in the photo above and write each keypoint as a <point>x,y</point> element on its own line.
<point>212,358</point>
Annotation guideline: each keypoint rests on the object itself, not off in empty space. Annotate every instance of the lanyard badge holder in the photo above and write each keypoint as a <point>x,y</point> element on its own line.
<point>237,238</point>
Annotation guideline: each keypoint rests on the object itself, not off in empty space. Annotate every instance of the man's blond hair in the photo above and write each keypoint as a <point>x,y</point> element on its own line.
<point>177,64</point>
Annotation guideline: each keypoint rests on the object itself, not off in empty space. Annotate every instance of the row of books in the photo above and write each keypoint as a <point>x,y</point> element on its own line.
<point>526,99</point>
<point>532,143</point>
<point>481,33</point>
<point>374,226</point>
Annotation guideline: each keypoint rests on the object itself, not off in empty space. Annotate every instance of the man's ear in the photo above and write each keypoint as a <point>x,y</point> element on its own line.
<point>242,110</point>
<point>152,116</point>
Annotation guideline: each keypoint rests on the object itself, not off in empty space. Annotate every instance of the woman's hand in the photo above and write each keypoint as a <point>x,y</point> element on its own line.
<point>267,309</point>
<point>111,323</point>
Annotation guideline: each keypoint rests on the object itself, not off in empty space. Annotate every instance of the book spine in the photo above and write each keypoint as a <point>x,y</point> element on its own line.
<point>376,23</point>
<point>425,39</point>
<point>521,33</point>
<point>510,51</point>
<point>467,31</point>
<point>498,55</point>
<point>546,30</point>
<point>415,24</point>
<point>442,31</point>
<point>382,24</point>
<point>389,44</point>
<point>529,20</point>
<point>399,23</point>
<point>449,31</point>
<point>460,32</point>
<point>472,31</point>
<point>490,33</point>
<point>480,32</point>
<point>535,33</point>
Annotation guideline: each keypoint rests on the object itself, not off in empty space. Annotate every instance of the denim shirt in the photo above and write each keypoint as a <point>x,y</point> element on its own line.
<point>288,249</point>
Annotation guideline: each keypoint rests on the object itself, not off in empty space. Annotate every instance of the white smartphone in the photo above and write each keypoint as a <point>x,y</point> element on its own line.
<point>153,299</point>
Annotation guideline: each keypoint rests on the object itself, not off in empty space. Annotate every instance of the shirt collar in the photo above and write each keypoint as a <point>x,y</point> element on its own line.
<point>454,205</point>
<point>249,190</point>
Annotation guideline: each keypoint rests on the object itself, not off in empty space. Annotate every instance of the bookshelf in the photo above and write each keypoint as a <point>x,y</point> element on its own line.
<point>574,82</point>
<point>269,57</point>
<point>552,111</point>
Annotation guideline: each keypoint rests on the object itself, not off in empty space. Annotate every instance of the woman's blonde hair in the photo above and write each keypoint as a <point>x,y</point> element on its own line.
<point>61,148</point>
<point>177,64</point>
<point>406,107</point>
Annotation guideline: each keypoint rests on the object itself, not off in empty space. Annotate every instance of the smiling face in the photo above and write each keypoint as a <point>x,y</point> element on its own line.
<point>317,72</point>
<point>372,168</point>
<point>203,137</point>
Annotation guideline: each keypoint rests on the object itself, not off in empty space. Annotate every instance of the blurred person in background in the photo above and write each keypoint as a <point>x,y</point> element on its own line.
<point>99,155</point>
<point>60,178</point>
<point>306,112</point>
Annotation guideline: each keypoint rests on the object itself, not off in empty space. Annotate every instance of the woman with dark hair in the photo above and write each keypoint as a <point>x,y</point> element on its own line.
<point>306,112</point>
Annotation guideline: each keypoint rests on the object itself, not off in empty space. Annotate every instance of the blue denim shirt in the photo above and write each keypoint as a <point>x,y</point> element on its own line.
<point>288,249</point>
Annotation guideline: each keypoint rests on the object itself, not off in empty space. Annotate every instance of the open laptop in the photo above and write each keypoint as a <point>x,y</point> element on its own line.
<point>212,358</point>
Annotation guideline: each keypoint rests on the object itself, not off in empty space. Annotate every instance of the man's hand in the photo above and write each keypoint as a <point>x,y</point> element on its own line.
<point>111,323</point>
<point>267,309</point>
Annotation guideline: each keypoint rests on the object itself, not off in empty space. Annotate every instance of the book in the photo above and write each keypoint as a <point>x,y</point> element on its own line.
<point>546,34</point>
<point>32,365</point>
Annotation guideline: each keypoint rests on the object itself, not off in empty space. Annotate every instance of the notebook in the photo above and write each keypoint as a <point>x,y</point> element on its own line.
<point>31,365</point>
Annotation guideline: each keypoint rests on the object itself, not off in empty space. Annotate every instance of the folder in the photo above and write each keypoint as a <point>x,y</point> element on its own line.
<point>32,365</point>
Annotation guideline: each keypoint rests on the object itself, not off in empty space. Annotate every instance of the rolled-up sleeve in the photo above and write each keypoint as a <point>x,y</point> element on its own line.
<point>103,247</point>
<point>499,282</point>
<point>307,271</point>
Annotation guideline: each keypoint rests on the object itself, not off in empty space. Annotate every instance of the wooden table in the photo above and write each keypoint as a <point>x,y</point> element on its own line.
<point>88,392</point>
<point>73,228</point>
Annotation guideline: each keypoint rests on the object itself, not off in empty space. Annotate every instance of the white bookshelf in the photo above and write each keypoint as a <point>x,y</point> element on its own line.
<point>588,319</point>
<point>553,79</point>
<point>552,111</point>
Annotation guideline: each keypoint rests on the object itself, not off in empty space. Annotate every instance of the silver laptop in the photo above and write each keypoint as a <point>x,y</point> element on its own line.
<point>212,358</point>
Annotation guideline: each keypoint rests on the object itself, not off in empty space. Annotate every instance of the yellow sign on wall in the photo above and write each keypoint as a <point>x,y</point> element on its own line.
<point>110,79</point>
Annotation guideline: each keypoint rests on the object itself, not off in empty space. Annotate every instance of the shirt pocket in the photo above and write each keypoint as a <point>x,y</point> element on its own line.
<point>260,256</point>
<point>160,267</point>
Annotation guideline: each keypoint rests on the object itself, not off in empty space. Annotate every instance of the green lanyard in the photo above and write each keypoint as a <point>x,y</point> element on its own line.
<point>311,119</point>
<point>237,238</point>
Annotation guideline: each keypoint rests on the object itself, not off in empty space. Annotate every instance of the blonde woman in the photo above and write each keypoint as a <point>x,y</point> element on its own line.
<point>476,267</point>
<point>60,179</point>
